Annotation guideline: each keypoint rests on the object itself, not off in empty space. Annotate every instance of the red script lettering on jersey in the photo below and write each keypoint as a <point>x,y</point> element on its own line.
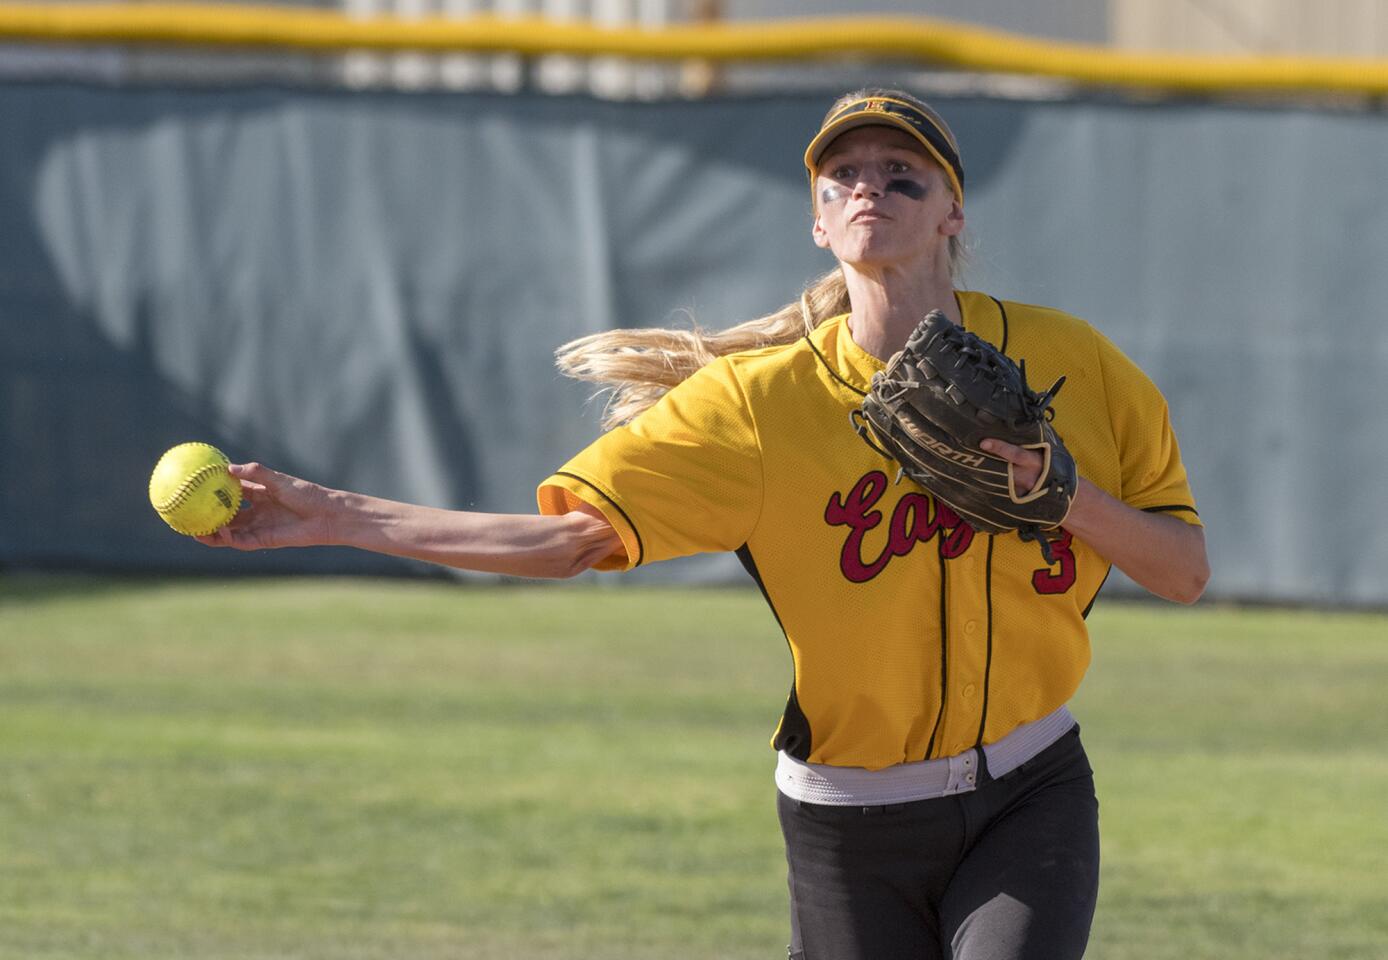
<point>916,518</point>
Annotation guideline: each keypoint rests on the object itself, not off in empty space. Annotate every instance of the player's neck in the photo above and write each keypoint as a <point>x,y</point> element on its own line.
<point>888,304</point>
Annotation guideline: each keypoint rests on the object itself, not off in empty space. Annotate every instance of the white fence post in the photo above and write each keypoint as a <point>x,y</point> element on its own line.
<point>412,70</point>
<point>560,73</point>
<point>619,77</point>
<point>508,69</point>
<point>462,71</point>
<point>361,69</point>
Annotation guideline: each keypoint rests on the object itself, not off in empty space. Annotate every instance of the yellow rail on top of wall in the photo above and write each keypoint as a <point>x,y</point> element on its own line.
<point>924,40</point>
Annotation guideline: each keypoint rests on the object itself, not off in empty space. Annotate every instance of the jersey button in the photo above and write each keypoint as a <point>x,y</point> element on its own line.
<point>969,690</point>
<point>971,626</point>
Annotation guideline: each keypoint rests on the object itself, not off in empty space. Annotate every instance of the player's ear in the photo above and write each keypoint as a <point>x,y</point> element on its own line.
<point>953,224</point>
<point>821,239</point>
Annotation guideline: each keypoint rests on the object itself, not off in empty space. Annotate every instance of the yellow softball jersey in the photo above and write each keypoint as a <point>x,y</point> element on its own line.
<point>912,636</point>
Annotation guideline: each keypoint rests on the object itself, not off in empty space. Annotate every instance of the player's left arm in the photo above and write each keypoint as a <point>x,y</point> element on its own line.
<point>1160,552</point>
<point>1157,549</point>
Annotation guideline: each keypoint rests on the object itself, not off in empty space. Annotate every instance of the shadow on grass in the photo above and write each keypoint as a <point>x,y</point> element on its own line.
<point>25,587</point>
<point>33,586</point>
<point>29,587</point>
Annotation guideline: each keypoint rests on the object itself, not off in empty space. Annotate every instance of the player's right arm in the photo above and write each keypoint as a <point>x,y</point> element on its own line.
<point>288,512</point>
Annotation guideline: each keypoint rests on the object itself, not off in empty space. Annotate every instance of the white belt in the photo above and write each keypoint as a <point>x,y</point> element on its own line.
<point>921,780</point>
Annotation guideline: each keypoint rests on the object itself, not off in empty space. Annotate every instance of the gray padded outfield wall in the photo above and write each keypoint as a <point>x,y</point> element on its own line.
<point>366,289</point>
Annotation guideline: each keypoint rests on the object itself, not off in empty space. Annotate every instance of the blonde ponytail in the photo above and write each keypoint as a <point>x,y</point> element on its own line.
<point>639,365</point>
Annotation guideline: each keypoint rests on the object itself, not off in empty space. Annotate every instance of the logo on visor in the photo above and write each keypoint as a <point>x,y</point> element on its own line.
<point>879,106</point>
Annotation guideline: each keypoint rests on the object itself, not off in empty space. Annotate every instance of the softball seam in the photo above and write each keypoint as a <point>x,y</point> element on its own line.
<point>185,489</point>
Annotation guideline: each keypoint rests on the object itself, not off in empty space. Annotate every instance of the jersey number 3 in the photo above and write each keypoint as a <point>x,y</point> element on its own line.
<point>1061,576</point>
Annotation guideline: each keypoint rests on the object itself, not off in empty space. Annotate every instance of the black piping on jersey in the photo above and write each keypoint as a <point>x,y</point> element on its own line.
<point>832,372</point>
<point>640,546</point>
<point>944,663</point>
<point>1090,605</point>
<point>793,735</point>
<point>1171,508</point>
<point>988,664</point>
<point>1002,310</point>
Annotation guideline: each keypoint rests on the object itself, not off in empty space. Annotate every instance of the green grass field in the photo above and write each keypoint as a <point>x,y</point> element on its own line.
<point>364,769</point>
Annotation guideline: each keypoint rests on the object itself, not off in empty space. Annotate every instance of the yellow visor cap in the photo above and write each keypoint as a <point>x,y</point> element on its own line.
<point>925,126</point>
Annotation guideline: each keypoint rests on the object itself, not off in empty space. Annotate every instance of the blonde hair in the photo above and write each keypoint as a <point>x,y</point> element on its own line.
<point>638,366</point>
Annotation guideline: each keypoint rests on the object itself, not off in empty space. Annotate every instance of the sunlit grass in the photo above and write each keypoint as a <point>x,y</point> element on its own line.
<point>382,769</point>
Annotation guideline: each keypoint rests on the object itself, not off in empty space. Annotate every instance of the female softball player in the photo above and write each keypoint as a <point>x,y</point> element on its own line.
<point>933,792</point>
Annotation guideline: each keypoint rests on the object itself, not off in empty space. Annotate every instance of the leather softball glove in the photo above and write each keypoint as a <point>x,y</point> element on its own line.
<point>938,399</point>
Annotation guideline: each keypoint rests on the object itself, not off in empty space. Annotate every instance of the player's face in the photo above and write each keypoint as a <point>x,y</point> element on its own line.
<point>881,200</point>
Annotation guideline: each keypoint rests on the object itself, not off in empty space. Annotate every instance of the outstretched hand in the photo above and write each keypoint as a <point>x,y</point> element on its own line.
<point>277,510</point>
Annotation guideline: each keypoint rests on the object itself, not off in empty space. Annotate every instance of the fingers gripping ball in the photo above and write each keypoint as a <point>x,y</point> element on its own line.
<point>192,490</point>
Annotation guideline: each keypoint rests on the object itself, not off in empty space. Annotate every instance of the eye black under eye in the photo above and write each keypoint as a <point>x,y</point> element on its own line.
<point>907,188</point>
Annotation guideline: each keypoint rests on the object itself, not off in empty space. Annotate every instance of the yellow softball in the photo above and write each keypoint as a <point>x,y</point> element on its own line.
<point>192,490</point>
